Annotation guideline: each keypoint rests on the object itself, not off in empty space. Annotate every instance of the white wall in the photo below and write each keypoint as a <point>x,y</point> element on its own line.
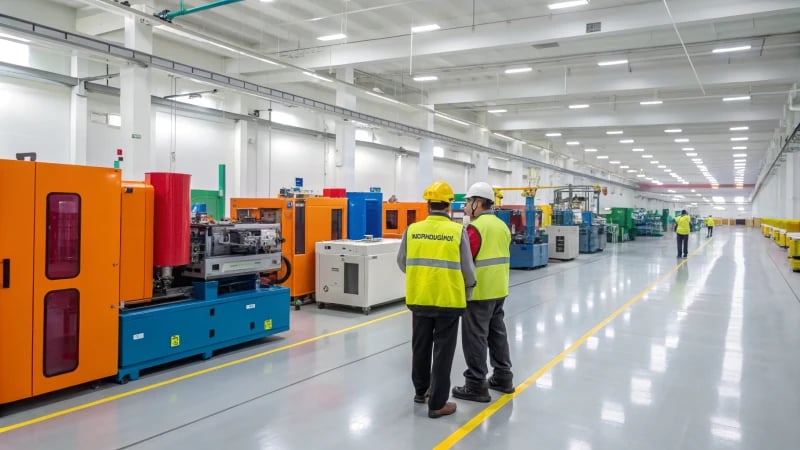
<point>34,117</point>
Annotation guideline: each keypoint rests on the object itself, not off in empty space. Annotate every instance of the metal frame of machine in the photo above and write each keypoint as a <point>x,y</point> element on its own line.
<point>529,249</point>
<point>94,281</point>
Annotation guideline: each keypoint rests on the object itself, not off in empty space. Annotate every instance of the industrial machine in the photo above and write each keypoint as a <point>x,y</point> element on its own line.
<point>304,222</point>
<point>529,242</point>
<point>364,215</point>
<point>398,216</point>
<point>359,274</point>
<point>577,207</point>
<point>99,278</point>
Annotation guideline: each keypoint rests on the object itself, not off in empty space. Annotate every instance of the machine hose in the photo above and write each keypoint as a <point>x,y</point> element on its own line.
<point>285,261</point>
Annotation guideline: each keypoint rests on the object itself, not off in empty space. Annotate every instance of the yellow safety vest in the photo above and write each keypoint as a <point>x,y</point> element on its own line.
<point>433,264</point>
<point>492,263</point>
<point>683,224</point>
<point>709,222</point>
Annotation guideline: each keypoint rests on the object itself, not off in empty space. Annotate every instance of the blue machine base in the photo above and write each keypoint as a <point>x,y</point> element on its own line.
<point>529,256</point>
<point>156,335</point>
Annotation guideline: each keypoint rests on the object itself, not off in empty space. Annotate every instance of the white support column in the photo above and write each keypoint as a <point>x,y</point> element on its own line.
<point>239,184</point>
<point>481,160</point>
<point>425,177</point>
<point>135,107</point>
<point>79,116</point>
<point>345,134</point>
<point>792,207</point>
<point>516,179</point>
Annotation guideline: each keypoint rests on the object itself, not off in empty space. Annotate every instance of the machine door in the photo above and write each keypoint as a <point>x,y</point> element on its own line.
<point>17,180</point>
<point>76,275</point>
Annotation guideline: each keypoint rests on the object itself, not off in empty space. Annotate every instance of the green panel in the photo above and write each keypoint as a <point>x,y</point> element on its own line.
<point>215,206</point>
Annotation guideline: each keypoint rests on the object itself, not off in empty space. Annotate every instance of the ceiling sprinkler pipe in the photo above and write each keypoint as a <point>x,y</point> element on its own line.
<point>169,15</point>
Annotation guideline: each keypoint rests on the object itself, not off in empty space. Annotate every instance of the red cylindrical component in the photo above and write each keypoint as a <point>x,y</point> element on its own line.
<point>172,218</point>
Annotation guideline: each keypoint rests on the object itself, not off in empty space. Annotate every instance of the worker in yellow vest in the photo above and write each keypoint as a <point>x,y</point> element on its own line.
<point>440,275</point>
<point>710,226</point>
<point>482,327</point>
<point>682,229</point>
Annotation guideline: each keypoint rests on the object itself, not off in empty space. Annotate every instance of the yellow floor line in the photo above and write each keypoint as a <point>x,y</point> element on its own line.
<point>487,412</point>
<point>150,387</point>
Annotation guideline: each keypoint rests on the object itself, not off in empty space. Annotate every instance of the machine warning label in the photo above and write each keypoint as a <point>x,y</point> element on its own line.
<point>175,341</point>
<point>268,324</point>
<point>250,306</point>
<point>138,336</point>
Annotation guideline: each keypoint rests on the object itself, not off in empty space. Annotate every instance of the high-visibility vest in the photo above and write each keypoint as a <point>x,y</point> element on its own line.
<point>493,261</point>
<point>433,264</point>
<point>683,224</point>
<point>709,222</point>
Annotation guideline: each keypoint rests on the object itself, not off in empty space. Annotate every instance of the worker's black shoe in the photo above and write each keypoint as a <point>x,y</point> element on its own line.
<point>446,410</point>
<point>472,393</point>
<point>422,398</point>
<point>506,388</point>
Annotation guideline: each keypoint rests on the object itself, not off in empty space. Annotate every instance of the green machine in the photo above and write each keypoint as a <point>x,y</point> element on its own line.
<point>623,218</point>
<point>210,202</point>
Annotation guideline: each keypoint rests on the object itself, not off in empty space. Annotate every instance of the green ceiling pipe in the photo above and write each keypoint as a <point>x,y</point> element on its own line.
<point>169,15</point>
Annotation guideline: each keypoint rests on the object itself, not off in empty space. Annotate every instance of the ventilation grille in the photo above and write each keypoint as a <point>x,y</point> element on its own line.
<point>545,45</point>
<point>593,27</point>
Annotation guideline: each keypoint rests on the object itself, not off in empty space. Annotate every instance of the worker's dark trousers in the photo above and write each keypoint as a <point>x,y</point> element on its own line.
<point>482,329</point>
<point>710,231</point>
<point>433,337</point>
<point>683,244</point>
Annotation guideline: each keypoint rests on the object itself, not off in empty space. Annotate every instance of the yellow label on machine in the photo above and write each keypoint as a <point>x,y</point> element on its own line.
<point>175,341</point>
<point>268,324</point>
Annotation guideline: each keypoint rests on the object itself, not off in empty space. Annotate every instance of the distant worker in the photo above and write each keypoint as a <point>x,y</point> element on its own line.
<point>392,199</point>
<point>683,228</point>
<point>710,226</point>
<point>440,275</point>
<point>482,327</point>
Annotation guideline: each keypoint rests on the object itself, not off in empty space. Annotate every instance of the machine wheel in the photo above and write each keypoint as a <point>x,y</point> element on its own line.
<point>125,379</point>
<point>321,305</point>
<point>366,310</point>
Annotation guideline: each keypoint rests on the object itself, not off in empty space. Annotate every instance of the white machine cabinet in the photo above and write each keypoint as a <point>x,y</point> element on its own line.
<point>360,274</point>
<point>563,241</point>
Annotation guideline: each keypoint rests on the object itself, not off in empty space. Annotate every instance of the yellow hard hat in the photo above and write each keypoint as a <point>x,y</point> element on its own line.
<point>439,191</point>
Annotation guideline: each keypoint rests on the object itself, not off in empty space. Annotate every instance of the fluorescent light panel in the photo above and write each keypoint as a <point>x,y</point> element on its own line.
<point>616,62</point>
<point>739,128</point>
<point>736,99</point>
<point>613,132</point>
<point>426,78</point>
<point>424,28</point>
<point>680,140</point>
<point>451,119</point>
<point>332,37</point>
<point>590,150</point>
<point>497,111</point>
<point>579,106</point>
<point>731,49</point>
<point>569,4</point>
<point>553,134</point>
<point>573,143</point>
<point>673,130</point>
<point>518,70</point>
<point>739,139</point>
<point>651,102</point>
<point>626,141</point>
<point>740,147</point>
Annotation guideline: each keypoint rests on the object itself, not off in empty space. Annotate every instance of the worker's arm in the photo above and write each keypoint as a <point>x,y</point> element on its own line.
<point>474,240</point>
<point>401,254</point>
<point>467,266</point>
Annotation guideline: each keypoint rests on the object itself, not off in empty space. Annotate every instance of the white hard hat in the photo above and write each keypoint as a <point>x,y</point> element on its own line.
<point>481,189</point>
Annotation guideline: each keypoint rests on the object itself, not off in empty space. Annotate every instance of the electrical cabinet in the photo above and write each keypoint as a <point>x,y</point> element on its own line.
<point>563,242</point>
<point>359,274</point>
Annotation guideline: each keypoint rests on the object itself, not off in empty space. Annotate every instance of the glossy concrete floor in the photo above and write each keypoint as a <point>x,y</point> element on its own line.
<point>704,357</point>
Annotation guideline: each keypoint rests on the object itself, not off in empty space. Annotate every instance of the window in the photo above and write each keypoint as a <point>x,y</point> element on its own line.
<point>61,314</point>
<point>336,224</point>
<point>300,228</point>
<point>63,236</point>
<point>14,52</point>
<point>391,220</point>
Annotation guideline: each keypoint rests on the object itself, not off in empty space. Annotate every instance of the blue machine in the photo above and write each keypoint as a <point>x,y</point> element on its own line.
<point>220,299</point>
<point>592,237</point>
<point>528,250</point>
<point>151,336</point>
<point>364,215</point>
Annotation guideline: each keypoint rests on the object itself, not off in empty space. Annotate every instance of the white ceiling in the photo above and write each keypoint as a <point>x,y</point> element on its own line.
<point>473,48</point>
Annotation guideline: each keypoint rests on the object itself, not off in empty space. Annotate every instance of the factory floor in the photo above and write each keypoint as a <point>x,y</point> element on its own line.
<point>628,349</point>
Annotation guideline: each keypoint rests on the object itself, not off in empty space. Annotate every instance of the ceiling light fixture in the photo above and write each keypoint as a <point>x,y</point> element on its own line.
<point>616,62</point>
<point>573,143</point>
<point>739,139</point>
<point>651,102</point>
<point>497,111</point>
<point>626,141</point>
<point>602,156</point>
<point>424,28</point>
<point>632,171</point>
<point>641,175</point>
<point>691,154</point>
<point>662,166</point>
<point>740,147</point>
<point>731,49</point>
<point>332,37</point>
<point>736,99</point>
<point>614,162</point>
<point>319,77</point>
<point>426,78</point>
<point>624,167</point>
<point>740,155</point>
<point>553,134</point>
<point>739,128</point>
<point>647,156</point>
<point>569,4</point>
<point>590,150</point>
<point>503,136</point>
<point>637,150</point>
<point>518,70</point>
<point>679,140</point>
<point>613,132</point>
<point>673,130</point>
<point>579,106</point>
